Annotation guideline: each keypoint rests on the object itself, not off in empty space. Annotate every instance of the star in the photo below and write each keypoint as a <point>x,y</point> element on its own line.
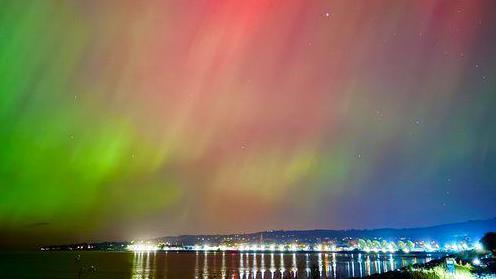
<point>379,114</point>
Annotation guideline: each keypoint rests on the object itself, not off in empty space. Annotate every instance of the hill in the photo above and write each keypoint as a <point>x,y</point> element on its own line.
<point>470,230</point>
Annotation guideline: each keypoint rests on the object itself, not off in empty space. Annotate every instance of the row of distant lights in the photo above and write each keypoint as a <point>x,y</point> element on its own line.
<point>147,247</point>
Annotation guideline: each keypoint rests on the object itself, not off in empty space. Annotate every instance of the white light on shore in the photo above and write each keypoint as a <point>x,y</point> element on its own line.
<point>141,247</point>
<point>391,248</point>
<point>478,247</point>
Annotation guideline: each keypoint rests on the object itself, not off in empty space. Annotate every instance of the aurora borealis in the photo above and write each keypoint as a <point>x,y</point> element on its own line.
<point>124,119</point>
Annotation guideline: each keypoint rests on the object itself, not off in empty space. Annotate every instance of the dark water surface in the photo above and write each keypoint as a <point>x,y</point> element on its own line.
<point>202,265</point>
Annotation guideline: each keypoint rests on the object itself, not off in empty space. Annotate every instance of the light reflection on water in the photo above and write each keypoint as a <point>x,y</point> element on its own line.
<point>266,265</point>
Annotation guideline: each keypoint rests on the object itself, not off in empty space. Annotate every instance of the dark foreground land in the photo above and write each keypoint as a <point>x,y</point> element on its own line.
<point>437,269</point>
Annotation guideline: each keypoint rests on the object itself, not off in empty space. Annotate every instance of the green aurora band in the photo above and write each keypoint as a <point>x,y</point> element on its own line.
<point>126,119</point>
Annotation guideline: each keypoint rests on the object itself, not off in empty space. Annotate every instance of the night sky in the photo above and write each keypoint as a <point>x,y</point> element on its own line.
<point>130,119</point>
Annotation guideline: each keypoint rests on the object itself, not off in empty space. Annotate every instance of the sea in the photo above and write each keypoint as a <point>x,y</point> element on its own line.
<point>204,265</point>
